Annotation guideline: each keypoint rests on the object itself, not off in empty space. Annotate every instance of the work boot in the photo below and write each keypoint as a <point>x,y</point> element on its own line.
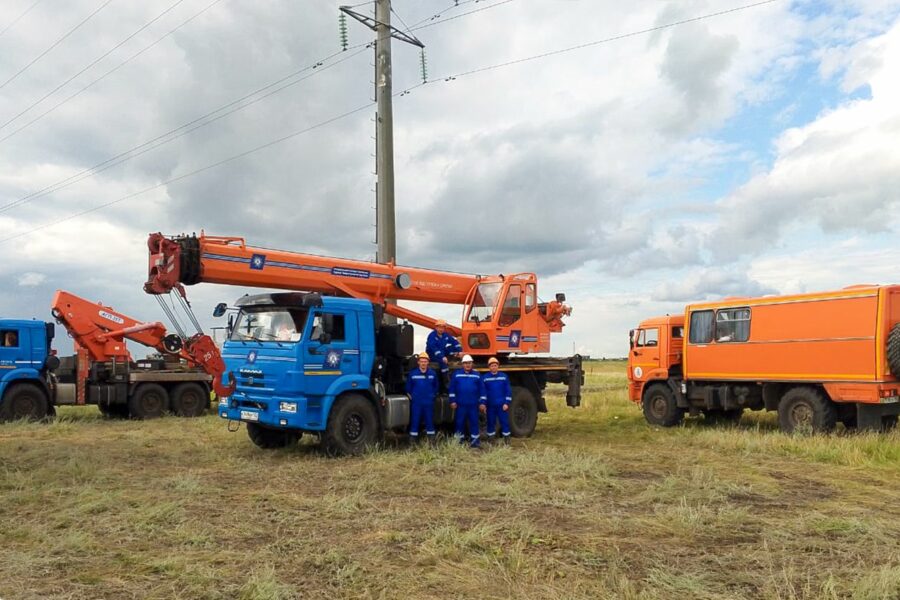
<point>432,440</point>
<point>476,443</point>
<point>413,440</point>
<point>506,440</point>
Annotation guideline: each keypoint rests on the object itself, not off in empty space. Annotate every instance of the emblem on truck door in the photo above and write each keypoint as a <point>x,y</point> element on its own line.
<point>333,358</point>
<point>251,357</point>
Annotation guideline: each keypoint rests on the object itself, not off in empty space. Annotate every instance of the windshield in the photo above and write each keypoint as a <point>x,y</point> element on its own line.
<point>484,302</point>
<point>269,323</point>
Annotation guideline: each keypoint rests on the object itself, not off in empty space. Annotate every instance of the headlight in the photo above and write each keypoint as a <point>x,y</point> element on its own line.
<point>288,407</point>
<point>224,400</point>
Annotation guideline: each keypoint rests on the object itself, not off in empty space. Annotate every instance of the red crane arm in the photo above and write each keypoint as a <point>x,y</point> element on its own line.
<point>101,331</point>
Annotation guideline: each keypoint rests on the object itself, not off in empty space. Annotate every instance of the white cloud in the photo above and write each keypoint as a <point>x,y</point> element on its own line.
<point>31,279</point>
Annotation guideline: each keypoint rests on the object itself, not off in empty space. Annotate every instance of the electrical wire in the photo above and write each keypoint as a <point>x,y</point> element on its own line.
<point>192,173</point>
<point>182,130</point>
<point>55,44</point>
<point>438,14</point>
<point>98,59</point>
<point>17,19</point>
<point>461,15</point>
<point>371,104</point>
<point>600,41</point>
<point>111,71</point>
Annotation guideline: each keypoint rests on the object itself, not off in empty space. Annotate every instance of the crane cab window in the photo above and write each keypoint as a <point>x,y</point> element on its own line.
<point>677,332</point>
<point>9,338</point>
<point>733,325</point>
<point>512,307</point>
<point>647,338</point>
<point>484,302</point>
<point>530,297</point>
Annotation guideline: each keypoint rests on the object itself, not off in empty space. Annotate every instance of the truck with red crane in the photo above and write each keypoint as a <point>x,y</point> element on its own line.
<point>34,380</point>
<point>321,358</point>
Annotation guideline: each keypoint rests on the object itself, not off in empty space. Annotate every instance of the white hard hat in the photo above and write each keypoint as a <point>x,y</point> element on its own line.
<point>467,358</point>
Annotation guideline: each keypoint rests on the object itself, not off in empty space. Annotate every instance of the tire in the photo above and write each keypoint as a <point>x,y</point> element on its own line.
<point>806,409</point>
<point>888,423</point>
<point>352,426</point>
<point>723,417</point>
<point>893,350</point>
<point>523,412</point>
<point>659,406</point>
<point>846,412</point>
<point>190,400</point>
<point>272,438</point>
<point>149,401</point>
<point>24,401</point>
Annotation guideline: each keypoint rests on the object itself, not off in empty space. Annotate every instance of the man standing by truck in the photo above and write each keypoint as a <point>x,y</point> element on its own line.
<point>467,398</point>
<point>499,397</point>
<point>440,346</point>
<point>422,387</point>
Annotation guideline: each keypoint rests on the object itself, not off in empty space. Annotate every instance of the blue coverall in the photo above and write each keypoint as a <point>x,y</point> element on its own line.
<point>422,389</point>
<point>467,391</point>
<point>498,392</point>
<point>442,345</point>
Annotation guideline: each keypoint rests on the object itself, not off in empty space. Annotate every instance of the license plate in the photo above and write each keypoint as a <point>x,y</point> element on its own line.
<point>249,415</point>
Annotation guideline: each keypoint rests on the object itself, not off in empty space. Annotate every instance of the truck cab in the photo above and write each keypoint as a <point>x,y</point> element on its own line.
<point>26,362</point>
<point>655,353</point>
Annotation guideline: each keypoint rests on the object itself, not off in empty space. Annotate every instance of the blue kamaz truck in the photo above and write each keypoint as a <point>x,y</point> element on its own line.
<point>28,386</point>
<point>308,363</point>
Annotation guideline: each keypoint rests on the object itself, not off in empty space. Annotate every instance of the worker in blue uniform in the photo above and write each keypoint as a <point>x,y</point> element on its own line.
<point>422,387</point>
<point>440,346</point>
<point>467,398</point>
<point>499,397</point>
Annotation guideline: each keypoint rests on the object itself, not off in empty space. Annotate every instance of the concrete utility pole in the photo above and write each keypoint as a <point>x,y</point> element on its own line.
<point>385,228</point>
<point>385,221</point>
<point>386,234</point>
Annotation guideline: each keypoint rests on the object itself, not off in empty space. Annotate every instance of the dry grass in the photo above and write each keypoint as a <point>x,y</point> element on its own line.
<point>596,505</point>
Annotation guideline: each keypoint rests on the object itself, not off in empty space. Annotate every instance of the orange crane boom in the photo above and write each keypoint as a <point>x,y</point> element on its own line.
<point>501,314</point>
<point>99,333</point>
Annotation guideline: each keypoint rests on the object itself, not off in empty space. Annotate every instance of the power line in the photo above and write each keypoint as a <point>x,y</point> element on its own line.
<point>600,41</point>
<point>111,71</point>
<point>437,15</point>
<point>192,173</point>
<point>461,15</point>
<point>17,19</point>
<point>187,128</point>
<point>55,44</point>
<point>98,59</point>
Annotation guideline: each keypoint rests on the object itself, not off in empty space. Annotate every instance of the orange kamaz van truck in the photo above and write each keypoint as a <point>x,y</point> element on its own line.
<point>816,359</point>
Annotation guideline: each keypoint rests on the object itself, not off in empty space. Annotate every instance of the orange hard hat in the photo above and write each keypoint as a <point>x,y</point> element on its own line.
<point>424,355</point>
<point>493,361</point>
<point>440,323</point>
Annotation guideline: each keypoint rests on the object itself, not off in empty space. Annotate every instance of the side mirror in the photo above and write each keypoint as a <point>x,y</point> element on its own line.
<point>328,323</point>
<point>220,309</point>
<point>230,324</point>
<point>560,298</point>
<point>324,338</point>
<point>631,339</point>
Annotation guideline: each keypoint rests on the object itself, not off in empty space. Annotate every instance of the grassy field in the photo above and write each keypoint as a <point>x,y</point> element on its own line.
<point>596,505</point>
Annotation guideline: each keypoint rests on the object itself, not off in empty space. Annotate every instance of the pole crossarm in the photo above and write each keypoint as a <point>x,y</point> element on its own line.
<point>373,25</point>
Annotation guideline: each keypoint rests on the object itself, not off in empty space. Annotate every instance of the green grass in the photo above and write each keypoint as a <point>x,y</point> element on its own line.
<point>597,504</point>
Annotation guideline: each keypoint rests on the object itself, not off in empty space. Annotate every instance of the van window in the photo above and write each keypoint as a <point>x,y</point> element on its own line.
<point>702,327</point>
<point>733,325</point>
<point>337,330</point>
<point>530,297</point>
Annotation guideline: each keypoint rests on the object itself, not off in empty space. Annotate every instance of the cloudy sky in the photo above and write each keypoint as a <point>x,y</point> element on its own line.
<point>752,152</point>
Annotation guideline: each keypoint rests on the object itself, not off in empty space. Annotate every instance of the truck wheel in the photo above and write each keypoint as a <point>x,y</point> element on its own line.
<point>723,417</point>
<point>806,409</point>
<point>660,407</point>
<point>272,438</point>
<point>893,350</point>
<point>24,401</point>
<point>352,426</point>
<point>523,412</point>
<point>149,401</point>
<point>190,400</point>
